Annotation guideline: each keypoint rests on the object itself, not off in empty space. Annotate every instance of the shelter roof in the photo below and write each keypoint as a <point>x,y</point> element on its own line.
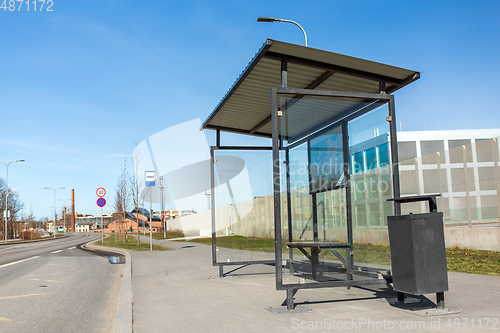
<point>246,107</point>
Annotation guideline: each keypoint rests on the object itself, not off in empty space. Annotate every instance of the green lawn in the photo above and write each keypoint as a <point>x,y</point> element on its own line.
<point>130,244</point>
<point>458,259</point>
<point>159,235</point>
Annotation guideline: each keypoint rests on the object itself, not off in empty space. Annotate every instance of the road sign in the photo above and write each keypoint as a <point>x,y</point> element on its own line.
<point>101,202</point>
<point>100,192</point>
<point>150,178</point>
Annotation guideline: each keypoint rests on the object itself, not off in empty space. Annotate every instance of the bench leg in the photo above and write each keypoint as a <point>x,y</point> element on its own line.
<point>289,299</point>
<point>440,300</point>
<point>221,271</point>
<point>401,298</point>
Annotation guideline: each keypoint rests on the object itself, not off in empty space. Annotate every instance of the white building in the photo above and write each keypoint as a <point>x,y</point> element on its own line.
<point>82,227</point>
<point>459,165</point>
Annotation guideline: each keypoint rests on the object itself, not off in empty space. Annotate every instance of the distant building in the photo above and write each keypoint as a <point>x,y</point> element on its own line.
<point>457,164</point>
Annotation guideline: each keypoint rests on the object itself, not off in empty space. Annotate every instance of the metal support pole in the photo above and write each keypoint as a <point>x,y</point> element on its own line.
<point>315,216</point>
<point>401,298</point>
<point>289,299</point>
<point>221,271</point>
<point>289,208</point>
<point>440,300</point>
<point>276,190</point>
<point>55,214</point>
<point>102,229</point>
<point>150,220</point>
<point>495,166</point>
<point>348,198</point>
<point>212,208</point>
<point>64,220</point>
<point>469,217</point>
<point>7,215</point>
<point>162,188</point>
<point>394,154</point>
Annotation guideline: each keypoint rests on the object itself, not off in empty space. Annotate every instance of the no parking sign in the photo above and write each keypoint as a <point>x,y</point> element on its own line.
<point>101,202</point>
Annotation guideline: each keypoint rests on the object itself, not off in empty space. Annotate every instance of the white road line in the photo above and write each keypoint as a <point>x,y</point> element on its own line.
<point>56,251</point>
<point>71,248</point>
<point>12,247</point>
<point>19,261</point>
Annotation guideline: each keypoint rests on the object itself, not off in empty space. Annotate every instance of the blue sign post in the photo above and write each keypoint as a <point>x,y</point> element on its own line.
<point>101,202</point>
<point>150,182</point>
<point>150,178</point>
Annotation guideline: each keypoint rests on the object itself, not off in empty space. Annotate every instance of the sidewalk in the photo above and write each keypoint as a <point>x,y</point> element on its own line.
<point>172,292</point>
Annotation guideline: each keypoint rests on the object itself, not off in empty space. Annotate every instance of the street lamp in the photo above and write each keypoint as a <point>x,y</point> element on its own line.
<point>64,216</point>
<point>7,194</point>
<point>54,189</point>
<point>273,19</point>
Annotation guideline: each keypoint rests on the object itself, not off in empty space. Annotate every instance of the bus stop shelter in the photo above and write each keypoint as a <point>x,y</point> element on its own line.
<point>332,123</point>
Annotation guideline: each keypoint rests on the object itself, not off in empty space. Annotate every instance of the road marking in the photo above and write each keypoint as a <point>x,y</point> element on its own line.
<point>19,261</point>
<point>71,248</point>
<point>6,319</point>
<point>22,296</point>
<point>56,251</point>
<point>45,280</point>
<point>8,248</point>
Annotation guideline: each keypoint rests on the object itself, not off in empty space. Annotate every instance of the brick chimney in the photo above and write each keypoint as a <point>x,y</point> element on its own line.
<point>73,210</point>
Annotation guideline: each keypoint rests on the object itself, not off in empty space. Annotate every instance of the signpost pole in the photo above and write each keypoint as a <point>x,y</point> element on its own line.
<point>102,230</point>
<point>150,222</point>
<point>163,209</point>
<point>101,202</point>
<point>150,182</point>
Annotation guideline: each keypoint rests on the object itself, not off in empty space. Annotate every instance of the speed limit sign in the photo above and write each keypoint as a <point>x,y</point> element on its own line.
<point>101,192</point>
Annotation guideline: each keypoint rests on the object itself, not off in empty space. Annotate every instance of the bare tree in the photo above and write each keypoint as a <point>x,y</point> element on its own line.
<point>122,199</point>
<point>15,206</point>
<point>135,185</point>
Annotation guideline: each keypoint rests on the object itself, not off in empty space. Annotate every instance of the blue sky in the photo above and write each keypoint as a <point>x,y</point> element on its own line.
<point>80,85</point>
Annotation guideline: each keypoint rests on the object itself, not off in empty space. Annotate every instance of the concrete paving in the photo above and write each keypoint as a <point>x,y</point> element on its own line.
<point>175,291</point>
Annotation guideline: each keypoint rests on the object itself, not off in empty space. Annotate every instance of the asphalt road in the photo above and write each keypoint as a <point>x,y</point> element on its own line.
<point>55,286</point>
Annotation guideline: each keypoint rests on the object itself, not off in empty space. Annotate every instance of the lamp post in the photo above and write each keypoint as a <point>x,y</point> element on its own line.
<point>54,189</point>
<point>273,19</point>
<point>64,214</point>
<point>7,215</point>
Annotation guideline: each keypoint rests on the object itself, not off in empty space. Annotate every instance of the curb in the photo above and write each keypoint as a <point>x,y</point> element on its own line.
<point>123,318</point>
<point>33,240</point>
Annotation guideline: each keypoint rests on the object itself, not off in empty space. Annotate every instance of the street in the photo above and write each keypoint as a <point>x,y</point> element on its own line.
<point>54,285</point>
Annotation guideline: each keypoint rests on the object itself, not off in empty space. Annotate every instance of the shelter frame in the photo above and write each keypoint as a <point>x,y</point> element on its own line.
<point>244,109</point>
<point>215,261</point>
<point>316,246</point>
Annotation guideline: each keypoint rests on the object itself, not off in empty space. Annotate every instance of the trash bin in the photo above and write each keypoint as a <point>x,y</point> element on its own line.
<point>418,252</point>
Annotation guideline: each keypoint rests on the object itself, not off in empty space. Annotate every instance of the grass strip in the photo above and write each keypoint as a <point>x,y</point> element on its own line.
<point>159,235</point>
<point>130,244</point>
<point>458,259</point>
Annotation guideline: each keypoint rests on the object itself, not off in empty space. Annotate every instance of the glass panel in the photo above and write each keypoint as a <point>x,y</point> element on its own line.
<point>244,206</point>
<point>313,193</point>
<point>326,167</point>
<point>369,134</point>
<point>300,199</point>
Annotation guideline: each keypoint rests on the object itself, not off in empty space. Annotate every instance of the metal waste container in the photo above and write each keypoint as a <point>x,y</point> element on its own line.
<point>418,252</point>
